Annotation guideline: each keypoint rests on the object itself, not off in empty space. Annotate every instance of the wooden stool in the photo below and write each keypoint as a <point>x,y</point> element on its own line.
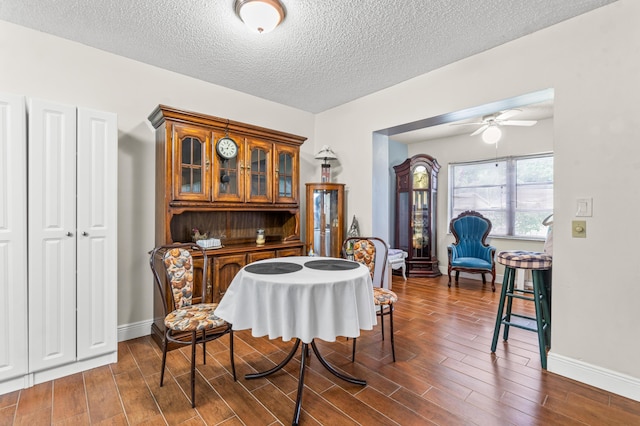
<point>540,264</point>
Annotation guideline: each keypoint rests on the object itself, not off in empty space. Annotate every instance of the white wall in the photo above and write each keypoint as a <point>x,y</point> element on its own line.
<point>593,65</point>
<point>39,65</point>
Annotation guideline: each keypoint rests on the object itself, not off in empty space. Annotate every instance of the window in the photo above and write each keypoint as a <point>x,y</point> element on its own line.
<point>515,193</point>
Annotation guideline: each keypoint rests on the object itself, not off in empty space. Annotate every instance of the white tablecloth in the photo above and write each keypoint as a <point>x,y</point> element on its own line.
<point>306,304</point>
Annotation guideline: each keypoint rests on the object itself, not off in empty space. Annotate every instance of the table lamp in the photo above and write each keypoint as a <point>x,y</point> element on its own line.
<point>326,154</point>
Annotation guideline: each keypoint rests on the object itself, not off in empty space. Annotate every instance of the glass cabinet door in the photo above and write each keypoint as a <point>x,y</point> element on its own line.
<point>420,212</point>
<point>228,183</point>
<point>191,164</point>
<point>286,172</point>
<point>258,171</point>
<point>325,227</point>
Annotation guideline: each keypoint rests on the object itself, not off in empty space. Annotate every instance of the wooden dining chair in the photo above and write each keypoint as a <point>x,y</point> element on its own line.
<point>373,252</point>
<point>189,323</point>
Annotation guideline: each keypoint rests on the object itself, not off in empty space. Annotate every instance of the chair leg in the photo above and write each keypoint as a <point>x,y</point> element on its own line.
<point>353,351</point>
<point>541,329</point>
<point>204,346</point>
<point>449,274</point>
<point>382,320</point>
<point>233,364</point>
<point>510,291</point>
<point>484,279</point>
<point>193,370</point>
<point>457,277</point>
<point>503,294</point>
<point>164,357</point>
<point>393,347</point>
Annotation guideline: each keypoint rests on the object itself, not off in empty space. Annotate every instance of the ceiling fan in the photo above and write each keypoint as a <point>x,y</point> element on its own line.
<point>500,118</point>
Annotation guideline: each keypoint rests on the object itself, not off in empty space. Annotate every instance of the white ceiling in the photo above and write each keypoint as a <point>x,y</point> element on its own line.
<point>324,54</point>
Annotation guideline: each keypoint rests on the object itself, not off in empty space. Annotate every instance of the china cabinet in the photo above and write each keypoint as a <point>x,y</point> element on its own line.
<point>61,210</point>
<point>325,218</point>
<point>415,214</point>
<point>226,179</point>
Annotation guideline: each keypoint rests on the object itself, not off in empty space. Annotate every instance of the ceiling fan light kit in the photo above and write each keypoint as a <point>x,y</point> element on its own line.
<point>262,16</point>
<point>492,134</point>
<point>490,125</point>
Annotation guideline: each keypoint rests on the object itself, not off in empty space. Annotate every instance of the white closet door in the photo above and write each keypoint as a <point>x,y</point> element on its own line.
<point>52,239</point>
<point>13,237</point>
<point>97,237</point>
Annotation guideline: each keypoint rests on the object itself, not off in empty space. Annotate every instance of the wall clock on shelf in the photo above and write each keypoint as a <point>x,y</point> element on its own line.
<point>227,148</point>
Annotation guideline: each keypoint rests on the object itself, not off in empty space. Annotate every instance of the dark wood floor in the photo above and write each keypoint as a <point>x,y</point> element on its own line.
<point>445,374</point>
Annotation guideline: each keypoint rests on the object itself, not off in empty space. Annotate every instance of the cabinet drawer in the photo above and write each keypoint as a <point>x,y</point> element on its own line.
<point>260,255</point>
<point>294,251</point>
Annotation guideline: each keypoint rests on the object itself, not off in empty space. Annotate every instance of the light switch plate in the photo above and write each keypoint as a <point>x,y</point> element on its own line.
<point>583,207</point>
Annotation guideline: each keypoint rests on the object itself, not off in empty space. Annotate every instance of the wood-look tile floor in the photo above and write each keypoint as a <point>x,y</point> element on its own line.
<point>445,374</point>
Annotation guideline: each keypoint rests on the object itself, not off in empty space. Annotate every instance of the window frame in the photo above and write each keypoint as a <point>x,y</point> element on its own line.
<point>511,193</point>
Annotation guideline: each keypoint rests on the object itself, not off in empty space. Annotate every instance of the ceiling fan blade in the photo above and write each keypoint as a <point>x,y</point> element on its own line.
<point>518,123</point>
<point>480,130</point>
<point>476,123</point>
<point>508,113</point>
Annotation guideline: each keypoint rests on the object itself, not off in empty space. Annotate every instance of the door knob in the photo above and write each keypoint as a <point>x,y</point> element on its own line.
<point>69,234</point>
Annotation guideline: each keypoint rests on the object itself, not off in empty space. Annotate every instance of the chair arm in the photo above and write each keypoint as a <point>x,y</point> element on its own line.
<point>452,251</point>
<point>489,253</point>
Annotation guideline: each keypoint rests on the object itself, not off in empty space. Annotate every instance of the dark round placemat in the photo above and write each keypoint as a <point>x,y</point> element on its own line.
<point>331,265</point>
<point>273,268</point>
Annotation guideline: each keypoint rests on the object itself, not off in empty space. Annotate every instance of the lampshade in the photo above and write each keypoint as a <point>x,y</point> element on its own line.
<point>261,16</point>
<point>491,135</point>
<point>326,154</point>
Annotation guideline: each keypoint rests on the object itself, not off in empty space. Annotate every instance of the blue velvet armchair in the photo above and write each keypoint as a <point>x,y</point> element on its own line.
<point>470,252</point>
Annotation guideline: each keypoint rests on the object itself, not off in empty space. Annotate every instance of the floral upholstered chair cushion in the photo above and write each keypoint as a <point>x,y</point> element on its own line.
<point>194,317</point>
<point>186,316</point>
<point>365,252</point>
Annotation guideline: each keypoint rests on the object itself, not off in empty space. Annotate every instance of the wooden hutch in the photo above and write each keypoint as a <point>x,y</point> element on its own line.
<point>227,179</point>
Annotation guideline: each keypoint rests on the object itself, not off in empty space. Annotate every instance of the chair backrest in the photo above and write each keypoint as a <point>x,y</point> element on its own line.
<point>176,284</point>
<point>470,230</point>
<point>371,251</point>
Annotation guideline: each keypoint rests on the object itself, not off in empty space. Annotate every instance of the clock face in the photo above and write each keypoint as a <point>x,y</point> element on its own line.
<point>227,147</point>
<point>420,179</point>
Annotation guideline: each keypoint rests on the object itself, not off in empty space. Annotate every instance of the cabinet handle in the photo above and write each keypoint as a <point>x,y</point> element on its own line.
<point>240,165</point>
<point>277,172</point>
<point>85,234</point>
<point>209,286</point>
<point>207,163</point>
<point>69,234</point>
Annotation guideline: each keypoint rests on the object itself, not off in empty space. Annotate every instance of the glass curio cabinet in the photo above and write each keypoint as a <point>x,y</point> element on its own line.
<point>416,206</point>
<point>325,218</point>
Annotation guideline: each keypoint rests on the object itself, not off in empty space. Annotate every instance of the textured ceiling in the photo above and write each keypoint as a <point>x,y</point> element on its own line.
<point>325,53</point>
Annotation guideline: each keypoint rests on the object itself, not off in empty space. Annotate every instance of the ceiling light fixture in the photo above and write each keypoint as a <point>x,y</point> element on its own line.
<point>492,134</point>
<point>261,16</point>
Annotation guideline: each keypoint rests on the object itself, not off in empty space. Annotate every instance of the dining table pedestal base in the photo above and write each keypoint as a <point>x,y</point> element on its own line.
<point>303,363</point>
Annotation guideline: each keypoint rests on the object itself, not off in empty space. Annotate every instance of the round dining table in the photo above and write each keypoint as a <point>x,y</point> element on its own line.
<point>301,298</point>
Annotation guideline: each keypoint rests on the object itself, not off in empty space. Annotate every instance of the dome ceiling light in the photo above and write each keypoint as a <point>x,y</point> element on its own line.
<point>262,16</point>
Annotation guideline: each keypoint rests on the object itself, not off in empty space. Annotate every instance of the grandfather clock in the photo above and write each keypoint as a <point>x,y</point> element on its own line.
<point>416,198</point>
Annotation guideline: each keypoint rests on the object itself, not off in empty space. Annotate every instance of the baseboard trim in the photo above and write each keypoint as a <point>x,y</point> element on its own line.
<point>602,378</point>
<point>134,330</point>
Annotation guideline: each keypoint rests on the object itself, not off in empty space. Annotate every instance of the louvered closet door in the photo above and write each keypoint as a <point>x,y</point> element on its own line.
<point>52,239</point>
<point>13,235</point>
<point>97,214</point>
